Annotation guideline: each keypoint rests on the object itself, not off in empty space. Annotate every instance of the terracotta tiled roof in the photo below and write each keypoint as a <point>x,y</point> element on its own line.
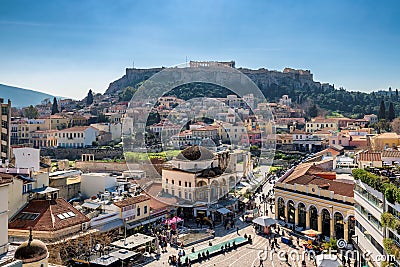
<point>206,128</point>
<point>77,129</point>
<point>386,135</point>
<point>131,201</point>
<point>390,154</point>
<point>48,219</point>
<point>370,156</point>
<point>304,169</point>
<point>339,187</point>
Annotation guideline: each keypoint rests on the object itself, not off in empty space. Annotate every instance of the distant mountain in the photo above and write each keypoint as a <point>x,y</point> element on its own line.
<point>21,97</point>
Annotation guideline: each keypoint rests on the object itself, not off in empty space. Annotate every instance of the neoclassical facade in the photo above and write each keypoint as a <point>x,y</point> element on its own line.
<point>311,198</point>
<point>199,176</point>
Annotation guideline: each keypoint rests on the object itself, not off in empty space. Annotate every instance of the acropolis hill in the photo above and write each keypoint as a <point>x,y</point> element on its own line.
<point>264,78</point>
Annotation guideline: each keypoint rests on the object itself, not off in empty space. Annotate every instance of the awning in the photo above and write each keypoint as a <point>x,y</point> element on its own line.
<point>45,190</point>
<point>123,254</point>
<point>223,211</point>
<point>110,225</point>
<point>173,220</point>
<point>139,223</point>
<point>310,232</point>
<point>90,205</point>
<point>264,221</point>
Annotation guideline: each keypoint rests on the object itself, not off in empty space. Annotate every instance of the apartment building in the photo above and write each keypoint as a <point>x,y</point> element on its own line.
<point>5,131</point>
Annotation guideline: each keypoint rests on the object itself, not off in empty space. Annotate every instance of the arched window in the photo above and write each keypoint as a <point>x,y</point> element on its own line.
<point>138,211</point>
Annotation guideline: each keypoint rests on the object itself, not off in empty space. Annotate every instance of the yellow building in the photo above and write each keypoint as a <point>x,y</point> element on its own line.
<point>59,122</point>
<point>284,139</point>
<point>384,141</point>
<point>311,198</point>
<point>134,208</point>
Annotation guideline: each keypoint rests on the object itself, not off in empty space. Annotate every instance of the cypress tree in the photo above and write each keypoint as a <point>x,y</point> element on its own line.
<point>54,108</point>
<point>89,99</point>
<point>382,111</point>
<point>391,113</point>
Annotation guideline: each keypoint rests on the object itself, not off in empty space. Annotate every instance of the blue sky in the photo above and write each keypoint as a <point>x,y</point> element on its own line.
<point>65,47</point>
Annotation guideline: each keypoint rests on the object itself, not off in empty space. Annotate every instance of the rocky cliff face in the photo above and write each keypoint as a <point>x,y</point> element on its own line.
<point>131,78</point>
<point>272,83</point>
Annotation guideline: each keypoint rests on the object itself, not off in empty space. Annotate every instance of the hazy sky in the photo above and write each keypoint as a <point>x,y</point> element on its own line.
<point>65,47</point>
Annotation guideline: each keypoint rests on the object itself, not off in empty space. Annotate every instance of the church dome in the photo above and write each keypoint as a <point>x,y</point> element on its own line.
<point>31,251</point>
<point>193,153</point>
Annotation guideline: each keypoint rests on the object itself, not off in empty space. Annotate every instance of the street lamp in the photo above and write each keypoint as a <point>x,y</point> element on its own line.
<point>357,258</point>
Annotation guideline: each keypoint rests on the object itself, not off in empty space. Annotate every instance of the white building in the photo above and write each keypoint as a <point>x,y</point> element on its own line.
<point>4,214</point>
<point>165,126</point>
<point>26,157</point>
<point>95,183</point>
<point>371,118</point>
<point>285,101</point>
<point>368,211</point>
<point>114,128</point>
<point>78,136</point>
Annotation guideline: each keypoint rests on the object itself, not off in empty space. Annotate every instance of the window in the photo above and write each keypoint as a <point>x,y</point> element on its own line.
<point>190,184</point>
<point>173,182</point>
<point>333,142</point>
<point>185,184</point>
<point>166,181</point>
<point>145,210</point>
<point>138,211</point>
<point>180,183</point>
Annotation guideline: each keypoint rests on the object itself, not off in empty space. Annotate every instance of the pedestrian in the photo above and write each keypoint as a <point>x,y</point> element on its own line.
<point>261,263</point>
<point>208,255</point>
<point>348,261</point>
<point>237,230</point>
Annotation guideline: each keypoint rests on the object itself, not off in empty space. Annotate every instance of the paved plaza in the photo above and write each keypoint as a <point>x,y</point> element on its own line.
<point>244,256</point>
<point>247,255</point>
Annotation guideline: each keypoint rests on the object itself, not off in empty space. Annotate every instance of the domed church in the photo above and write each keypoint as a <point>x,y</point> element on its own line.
<point>32,253</point>
<point>199,177</point>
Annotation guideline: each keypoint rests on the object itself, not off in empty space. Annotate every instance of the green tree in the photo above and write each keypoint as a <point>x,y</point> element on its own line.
<point>127,94</point>
<point>54,108</point>
<point>89,98</point>
<point>382,111</point>
<point>101,118</point>
<point>31,112</point>
<point>391,113</point>
<point>313,111</point>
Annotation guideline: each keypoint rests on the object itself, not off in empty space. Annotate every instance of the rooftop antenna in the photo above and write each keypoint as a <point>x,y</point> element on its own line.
<point>133,64</point>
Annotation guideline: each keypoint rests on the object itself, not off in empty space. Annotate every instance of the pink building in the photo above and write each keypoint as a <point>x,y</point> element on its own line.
<point>251,138</point>
<point>338,138</point>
